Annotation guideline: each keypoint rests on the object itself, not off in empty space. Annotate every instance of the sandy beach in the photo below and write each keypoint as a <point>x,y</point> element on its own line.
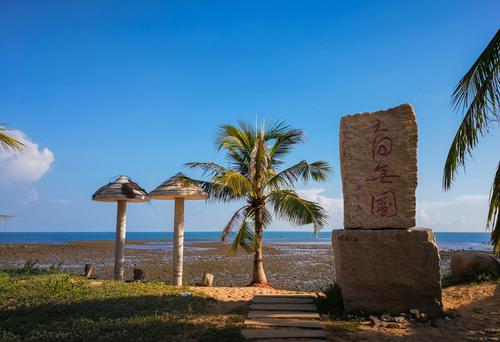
<point>290,266</point>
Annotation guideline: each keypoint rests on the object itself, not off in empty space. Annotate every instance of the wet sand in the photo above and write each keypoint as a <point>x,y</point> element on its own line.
<point>290,266</point>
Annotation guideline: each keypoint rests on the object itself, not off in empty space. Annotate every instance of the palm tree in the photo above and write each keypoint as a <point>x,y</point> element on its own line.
<point>252,175</point>
<point>9,143</point>
<point>477,95</point>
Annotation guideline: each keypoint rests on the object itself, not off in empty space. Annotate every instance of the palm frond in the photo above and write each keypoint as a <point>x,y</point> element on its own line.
<point>216,192</point>
<point>245,239</point>
<point>288,205</point>
<point>235,221</point>
<point>9,143</point>
<point>302,171</point>
<point>208,168</point>
<point>235,182</point>
<point>494,212</point>
<point>478,94</point>
<point>284,139</point>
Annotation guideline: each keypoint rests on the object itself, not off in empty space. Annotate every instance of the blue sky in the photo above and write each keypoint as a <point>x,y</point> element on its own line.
<point>100,89</point>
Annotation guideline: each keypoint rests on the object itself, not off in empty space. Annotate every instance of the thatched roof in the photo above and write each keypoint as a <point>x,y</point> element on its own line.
<point>179,186</point>
<point>121,189</point>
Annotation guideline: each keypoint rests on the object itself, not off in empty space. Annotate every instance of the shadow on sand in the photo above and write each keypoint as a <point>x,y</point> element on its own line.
<point>477,320</point>
<point>137,318</point>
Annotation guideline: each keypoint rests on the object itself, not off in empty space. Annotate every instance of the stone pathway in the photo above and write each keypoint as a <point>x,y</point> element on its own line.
<point>283,318</point>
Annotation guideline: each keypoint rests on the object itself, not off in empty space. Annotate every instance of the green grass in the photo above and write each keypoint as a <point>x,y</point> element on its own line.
<point>49,306</point>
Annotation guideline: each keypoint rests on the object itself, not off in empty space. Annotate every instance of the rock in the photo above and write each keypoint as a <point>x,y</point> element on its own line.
<point>390,270</point>
<point>386,318</point>
<point>208,279</point>
<point>378,156</point>
<point>414,312</point>
<point>375,321</point>
<point>139,274</point>
<point>88,270</point>
<point>468,265</point>
<point>399,319</point>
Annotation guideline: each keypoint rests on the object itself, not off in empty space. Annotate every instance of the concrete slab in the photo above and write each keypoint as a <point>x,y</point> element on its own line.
<point>283,314</point>
<point>284,307</point>
<point>283,300</point>
<point>284,322</point>
<point>282,333</point>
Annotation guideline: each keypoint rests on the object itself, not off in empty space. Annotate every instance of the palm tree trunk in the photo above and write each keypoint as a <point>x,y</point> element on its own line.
<point>258,275</point>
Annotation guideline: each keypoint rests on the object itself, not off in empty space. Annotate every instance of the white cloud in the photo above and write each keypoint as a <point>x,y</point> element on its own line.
<point>27,166</point>
<point>334,206</point>
<point>461,213</point>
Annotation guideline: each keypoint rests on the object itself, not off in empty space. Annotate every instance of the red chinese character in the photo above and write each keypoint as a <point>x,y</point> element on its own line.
<point>383,174</point>
<point>382,144</point>
<point>384,204</point>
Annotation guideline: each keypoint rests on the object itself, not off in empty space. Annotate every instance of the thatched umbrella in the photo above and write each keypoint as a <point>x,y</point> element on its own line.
<point>178,188</point>
<point>121,190</point>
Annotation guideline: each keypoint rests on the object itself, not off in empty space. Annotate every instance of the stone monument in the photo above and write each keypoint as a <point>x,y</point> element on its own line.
<point>383,263</point>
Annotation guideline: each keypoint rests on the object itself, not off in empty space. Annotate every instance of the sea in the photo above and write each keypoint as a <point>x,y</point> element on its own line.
<point>445,241</point>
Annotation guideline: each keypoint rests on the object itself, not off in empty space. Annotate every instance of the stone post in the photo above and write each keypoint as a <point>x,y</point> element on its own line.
<point>383,263</point>
<point>178,241</point>
<point>121,222</point>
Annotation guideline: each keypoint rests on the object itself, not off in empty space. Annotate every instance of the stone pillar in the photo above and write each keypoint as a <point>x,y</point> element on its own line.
<point>178,241</point>
<point>383,263</point>
<point>121,222</point>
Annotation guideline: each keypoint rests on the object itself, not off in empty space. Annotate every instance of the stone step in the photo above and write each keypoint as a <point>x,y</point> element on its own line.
<point>283,300</point>
<point>284,307</point>
<point>290,322</point>
<point>282,333</point>
<point>283,314</point>
<point>290,295</point>
<point>293,339</point>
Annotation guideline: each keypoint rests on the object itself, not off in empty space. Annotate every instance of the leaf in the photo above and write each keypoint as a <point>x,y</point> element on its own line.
<point>494,212</point>
<point>289,206</point>
<point>478,94</point>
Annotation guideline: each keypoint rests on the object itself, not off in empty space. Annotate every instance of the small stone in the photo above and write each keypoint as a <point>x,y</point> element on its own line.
<point>386,318</point>
<point>208,279</point>
<point>88,270</point>
<point>375,321</point>
<point>399,319</point>
<point>423,316</point>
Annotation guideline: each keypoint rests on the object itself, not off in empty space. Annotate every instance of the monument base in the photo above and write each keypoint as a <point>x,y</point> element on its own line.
<point>388,270</point>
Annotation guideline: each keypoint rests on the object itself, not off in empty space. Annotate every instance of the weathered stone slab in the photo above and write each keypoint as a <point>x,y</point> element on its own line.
<point>283,307</point>
<point>378,155</point>
<point>277,322</point>
<point>283,314</point>
<point>390,270</point>
<point>281,333</point>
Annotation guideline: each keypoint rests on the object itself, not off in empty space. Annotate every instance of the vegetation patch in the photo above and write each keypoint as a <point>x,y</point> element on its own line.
<point>331,307</point>
<point>48,306</point>
<point>482,277</point>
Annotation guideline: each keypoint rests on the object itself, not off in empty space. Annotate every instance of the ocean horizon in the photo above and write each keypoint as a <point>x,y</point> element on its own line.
<point>445,240</point>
